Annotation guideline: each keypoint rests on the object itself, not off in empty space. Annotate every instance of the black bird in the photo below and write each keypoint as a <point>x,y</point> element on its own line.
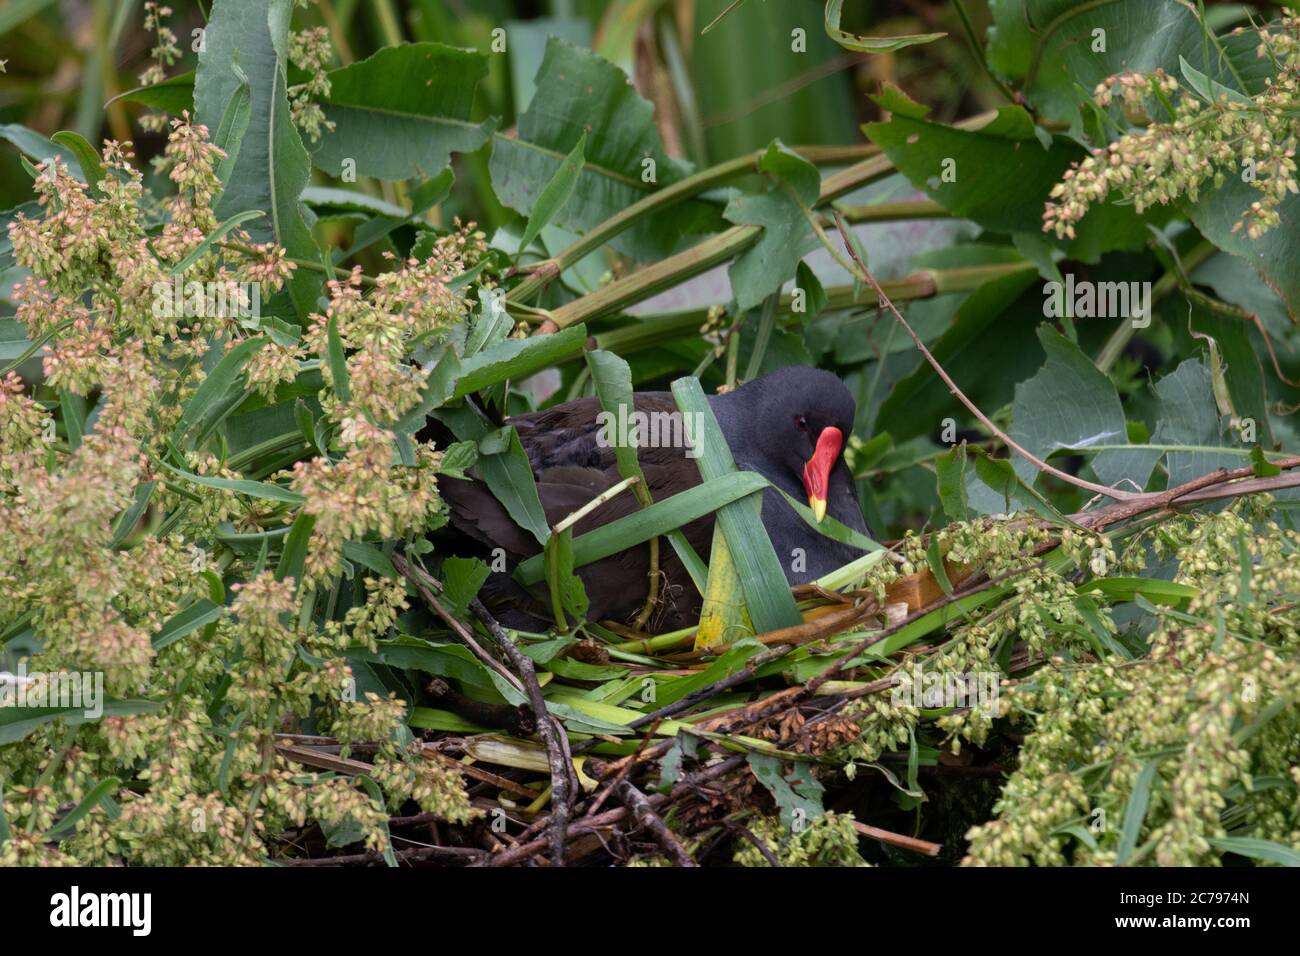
<point>789,426</point>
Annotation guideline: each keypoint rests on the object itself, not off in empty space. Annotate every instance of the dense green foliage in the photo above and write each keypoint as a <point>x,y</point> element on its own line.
<point>232,298</point>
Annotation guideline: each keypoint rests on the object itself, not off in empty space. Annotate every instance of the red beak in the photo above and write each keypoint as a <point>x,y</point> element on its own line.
<point>817,472</point>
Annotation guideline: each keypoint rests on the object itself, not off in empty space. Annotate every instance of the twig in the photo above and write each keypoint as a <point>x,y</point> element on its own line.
<point>426,585</point>
<point>563,780</point>
<point>865,275</point>
<point>548,728</point>
<point>898,839</point>
<point>636,801</point>
<point>450,853</point>
<point>758,844</point>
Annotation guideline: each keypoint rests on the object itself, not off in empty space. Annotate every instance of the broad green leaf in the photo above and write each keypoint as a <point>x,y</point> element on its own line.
<point>993,328</point>
<point>452,660</point>
<point>1058,51</point>
<point>247,40</point>
<point>972,172</point>
<point>793,786</point>
<point>173,95</point>
<point>794,185</point>
<point>507,473</point>
<point>580,94</point>
<point>1186,415</point>
<point>861,44</point>
<point>1275,255</point>
<point>39,149</point>
<point>401,113</point>
<point>461,580</point>
<point>1070,404</point>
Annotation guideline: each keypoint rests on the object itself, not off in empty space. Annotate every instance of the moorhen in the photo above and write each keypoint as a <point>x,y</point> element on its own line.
<point>788,425</point>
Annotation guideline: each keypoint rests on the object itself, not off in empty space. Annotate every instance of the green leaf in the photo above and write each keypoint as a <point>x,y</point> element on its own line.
<point>660,518</point>
<point>972,172</point>
<point>1153,589</point>
<point>951,472</point>
<point>507,473</point>
<point>401,113</point>
<point>218,396</point>
<point>33,144</point>
<point>19,11</point>
<point>1266,851</point>
<point>556,194</point>
<point>787,237</point>
<point>793,790</point>
<point>87,158</point>
<point>461,580</point>
<point>1212,91</point>
<point>247,41</point>
<point>209,241</point>
<point>254,489</point>
<point>814,294</point>
<point>993,328</point>
<point>767,593</point>
<point>338,362</point>
<point>612,380</point>
<point>173,95</point>
<point>1135,812</point>
<point>1053,47</point>
<point>18,722</point>
<point>861,44</point>
<point>294,555</point>
<point>197,615</point>
<point>229,134</point>
<point>517,359</point>
<point>1186,415</point>
<point>1275,255</point>
<point>566,588</point>
<point>580,94</point>
<point>1069,404</point>
<point>98,792</point>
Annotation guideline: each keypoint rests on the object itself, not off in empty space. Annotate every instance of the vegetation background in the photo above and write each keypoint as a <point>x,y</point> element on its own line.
<point>273,545</point>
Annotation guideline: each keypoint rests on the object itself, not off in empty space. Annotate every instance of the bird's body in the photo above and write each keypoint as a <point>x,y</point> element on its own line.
<point>772,426</point>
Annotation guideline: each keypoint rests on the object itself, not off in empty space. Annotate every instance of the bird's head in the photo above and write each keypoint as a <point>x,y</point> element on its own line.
<point>801,418</point>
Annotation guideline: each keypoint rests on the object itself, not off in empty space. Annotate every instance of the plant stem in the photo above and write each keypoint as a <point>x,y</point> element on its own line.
<point>865,274</point>
<point>666,198</point>
<point>653,329</point>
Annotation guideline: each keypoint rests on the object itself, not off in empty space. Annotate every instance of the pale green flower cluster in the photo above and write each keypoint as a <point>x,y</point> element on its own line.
<point>1199,144</point>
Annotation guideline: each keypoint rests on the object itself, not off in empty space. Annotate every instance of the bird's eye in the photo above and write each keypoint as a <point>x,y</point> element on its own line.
<point>801,423</point>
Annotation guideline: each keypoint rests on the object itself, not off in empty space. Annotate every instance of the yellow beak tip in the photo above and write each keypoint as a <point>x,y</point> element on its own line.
<point>818,506</point>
